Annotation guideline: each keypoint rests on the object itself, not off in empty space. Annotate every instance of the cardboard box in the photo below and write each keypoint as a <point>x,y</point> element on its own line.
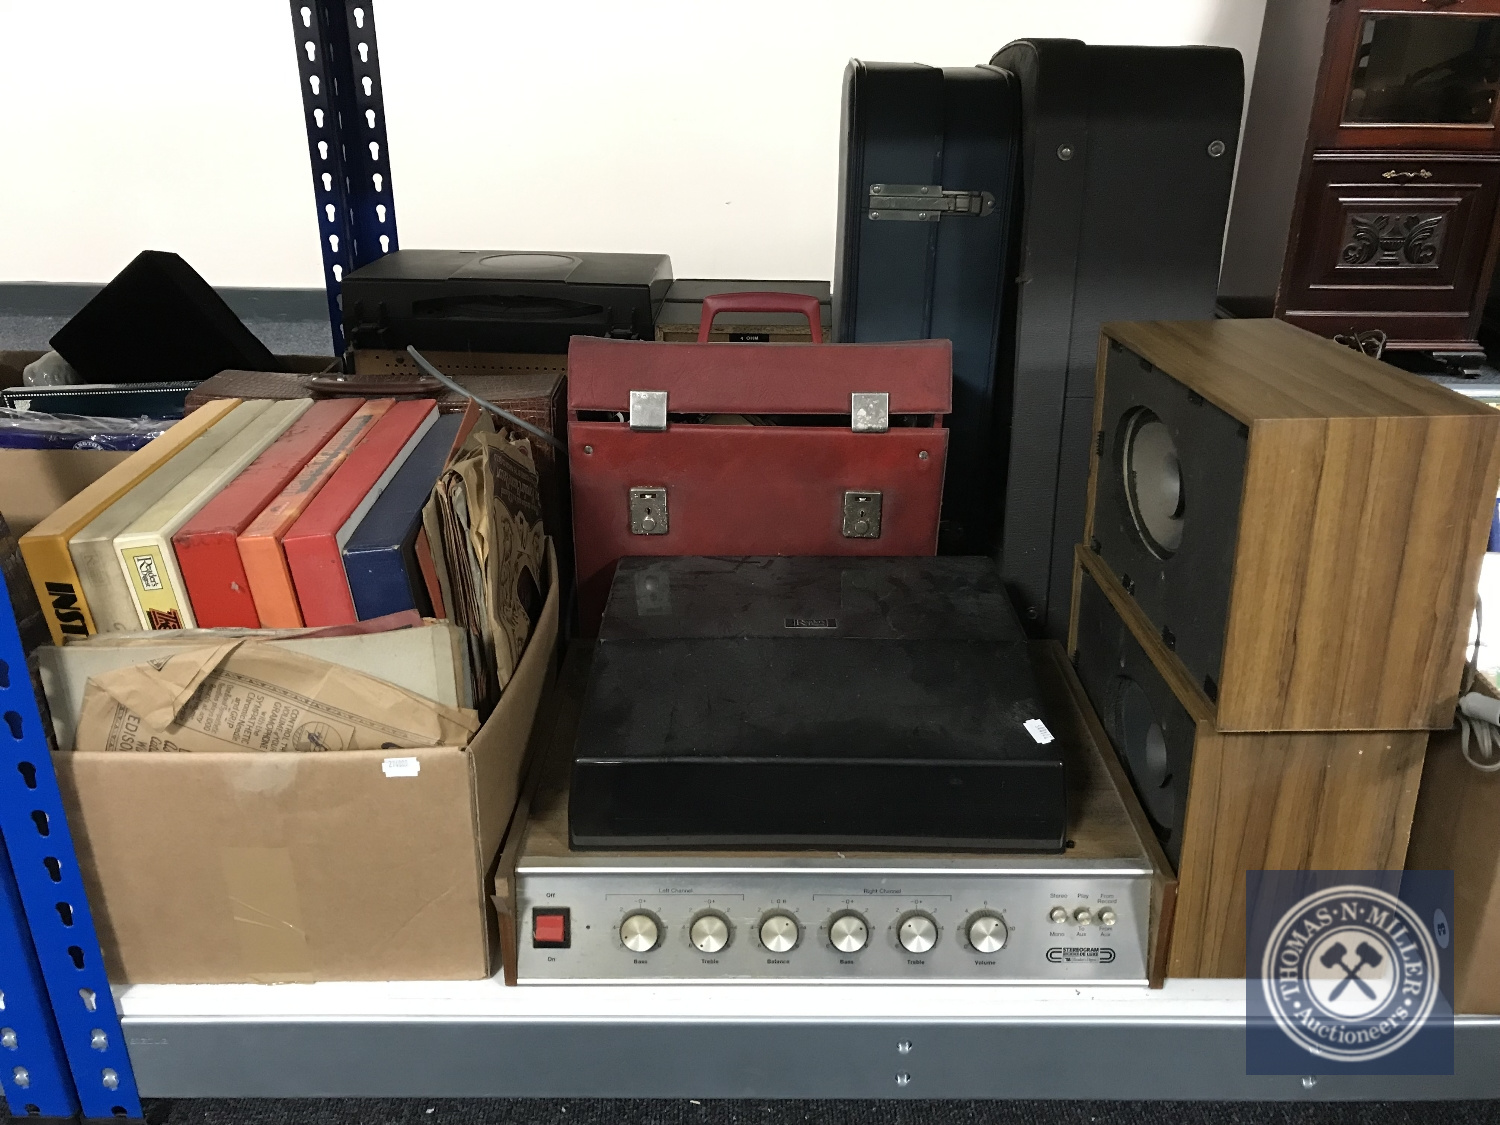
<point>1457,828</point>
<point>257,868</point>
<point>34,483</point>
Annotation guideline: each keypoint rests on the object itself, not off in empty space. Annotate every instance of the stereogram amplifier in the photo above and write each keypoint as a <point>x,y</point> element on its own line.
<point>1087,914</point>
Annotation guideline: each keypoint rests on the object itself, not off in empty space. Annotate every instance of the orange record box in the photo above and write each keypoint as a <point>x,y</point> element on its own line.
<point>260,545</point>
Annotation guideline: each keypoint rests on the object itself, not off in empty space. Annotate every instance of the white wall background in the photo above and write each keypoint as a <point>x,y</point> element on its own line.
<point>706,130</point>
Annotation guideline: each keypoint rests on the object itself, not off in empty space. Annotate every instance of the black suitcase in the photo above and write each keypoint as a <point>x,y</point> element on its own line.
<point>926,167</point>
<point>1128,157</point>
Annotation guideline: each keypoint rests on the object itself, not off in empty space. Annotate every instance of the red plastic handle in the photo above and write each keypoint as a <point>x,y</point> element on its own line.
<point>716,303</point>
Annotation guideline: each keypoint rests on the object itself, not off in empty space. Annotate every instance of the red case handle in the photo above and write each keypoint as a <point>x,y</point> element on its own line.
<point>716,303</point>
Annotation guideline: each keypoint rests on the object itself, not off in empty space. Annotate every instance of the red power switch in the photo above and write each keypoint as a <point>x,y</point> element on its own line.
<point>549,928</point>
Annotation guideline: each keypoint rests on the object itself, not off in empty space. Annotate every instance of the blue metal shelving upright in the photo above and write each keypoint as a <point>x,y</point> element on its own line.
<point>35,829</point>
<point>33,1067</point>
<point>338,63</point>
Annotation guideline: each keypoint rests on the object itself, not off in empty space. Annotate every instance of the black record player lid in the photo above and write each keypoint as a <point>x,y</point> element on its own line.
<point>831,659</point>
<point>950,598</point>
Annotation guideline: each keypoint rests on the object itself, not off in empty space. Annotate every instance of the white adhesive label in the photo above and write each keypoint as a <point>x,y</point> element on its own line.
<point>1038,730</point>
<point>409,767</point>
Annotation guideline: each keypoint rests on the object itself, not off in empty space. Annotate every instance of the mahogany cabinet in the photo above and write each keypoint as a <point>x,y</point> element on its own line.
<point>1395,223</point>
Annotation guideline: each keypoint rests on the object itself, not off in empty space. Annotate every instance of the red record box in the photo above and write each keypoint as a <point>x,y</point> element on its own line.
<point>684,474</point>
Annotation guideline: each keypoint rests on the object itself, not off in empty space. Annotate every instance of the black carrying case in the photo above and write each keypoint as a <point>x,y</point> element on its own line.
<point>1128,157</point>
<point>914,266</point>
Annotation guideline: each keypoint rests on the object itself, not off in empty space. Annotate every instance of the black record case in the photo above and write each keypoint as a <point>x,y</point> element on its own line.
<point>814,702</point>
<point>1127,160</point>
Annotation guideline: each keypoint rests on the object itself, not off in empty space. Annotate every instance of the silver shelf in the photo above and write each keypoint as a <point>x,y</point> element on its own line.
<point>479,1038</point>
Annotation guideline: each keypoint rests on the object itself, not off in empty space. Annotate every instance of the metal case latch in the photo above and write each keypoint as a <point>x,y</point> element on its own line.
<point>648,410</point>
<point>648,510</point>
<point>926,203</point>
<point>861,515</point>
<point>869,412</point>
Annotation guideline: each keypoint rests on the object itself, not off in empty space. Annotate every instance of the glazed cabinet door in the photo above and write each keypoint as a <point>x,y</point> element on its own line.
<point>1410,74</point>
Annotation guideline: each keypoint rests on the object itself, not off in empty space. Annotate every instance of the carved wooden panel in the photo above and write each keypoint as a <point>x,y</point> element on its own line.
<point>1392,238</point>
<point>1396,244</point>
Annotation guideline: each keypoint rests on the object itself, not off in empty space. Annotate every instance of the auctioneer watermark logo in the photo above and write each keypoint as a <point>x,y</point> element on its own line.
<point>1349,972</point>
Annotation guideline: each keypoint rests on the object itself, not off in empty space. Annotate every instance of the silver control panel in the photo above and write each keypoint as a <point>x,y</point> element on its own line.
<point>1041,921</point>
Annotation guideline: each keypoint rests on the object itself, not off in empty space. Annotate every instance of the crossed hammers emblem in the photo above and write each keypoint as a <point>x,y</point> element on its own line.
<point>1334,956</point>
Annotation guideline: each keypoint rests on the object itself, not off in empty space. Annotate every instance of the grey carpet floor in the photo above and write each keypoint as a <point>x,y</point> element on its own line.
<point>601,1111</point>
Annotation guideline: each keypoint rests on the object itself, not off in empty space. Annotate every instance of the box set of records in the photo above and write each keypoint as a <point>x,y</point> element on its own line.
<point>253,513</point>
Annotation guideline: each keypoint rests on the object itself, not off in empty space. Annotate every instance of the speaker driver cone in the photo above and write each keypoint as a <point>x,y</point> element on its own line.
<point>1145,748</point>
<point>1153,482</point>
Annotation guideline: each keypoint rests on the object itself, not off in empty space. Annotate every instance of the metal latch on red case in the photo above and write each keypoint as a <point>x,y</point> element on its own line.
<point>648,410</point>
<point>648,511</point>
<point>862,515</point>
<point>926,203</point>
<point>870,412</point>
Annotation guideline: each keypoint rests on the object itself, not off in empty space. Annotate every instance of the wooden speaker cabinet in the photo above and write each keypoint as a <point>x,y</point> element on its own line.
<point>1395,222</point>
<point>1225,803</point>
<point>1301,525</point>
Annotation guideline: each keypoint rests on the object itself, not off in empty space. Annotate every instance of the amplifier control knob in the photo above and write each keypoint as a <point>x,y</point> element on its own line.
<point>710,933</point>
<point>639,932</point>
<point>987,933</point>
<point>918,933</point>
<point>778,933</point>
<point>1083,915</point>
<point>1106,917</point>
<point>848,933</point>
<point>1057,914</point>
